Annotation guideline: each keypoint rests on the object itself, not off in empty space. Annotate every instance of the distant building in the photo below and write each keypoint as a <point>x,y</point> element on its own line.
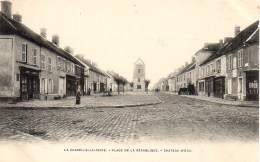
<point>139,76</point>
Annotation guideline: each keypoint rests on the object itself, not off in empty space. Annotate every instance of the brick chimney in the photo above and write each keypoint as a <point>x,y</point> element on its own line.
<point>17,17</point>
<point>221,43</point>
<point>43,32</point>
<point>56,40</point>
<point>6,8</point>
<point>227,39</point>
<point>237,30</point>
<point>193,59</point>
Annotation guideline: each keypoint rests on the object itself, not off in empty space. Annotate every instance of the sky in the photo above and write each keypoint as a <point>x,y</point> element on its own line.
<point>115,33</point>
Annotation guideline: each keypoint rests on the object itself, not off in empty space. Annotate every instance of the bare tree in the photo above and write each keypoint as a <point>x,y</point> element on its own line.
<point>147,82</point>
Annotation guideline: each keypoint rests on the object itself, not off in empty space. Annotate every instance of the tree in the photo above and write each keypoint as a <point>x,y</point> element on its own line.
<point>118,81</point>
<point>132,85</point>
<point>147,82</point>
<point>124,82</point>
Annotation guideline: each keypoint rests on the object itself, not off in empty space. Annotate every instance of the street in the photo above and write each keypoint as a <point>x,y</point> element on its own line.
<point>177,119</point>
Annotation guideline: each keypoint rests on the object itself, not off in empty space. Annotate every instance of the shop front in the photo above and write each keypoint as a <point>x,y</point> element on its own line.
<point>219,87</point>
<point>29,83</point>
<point>252,85</point>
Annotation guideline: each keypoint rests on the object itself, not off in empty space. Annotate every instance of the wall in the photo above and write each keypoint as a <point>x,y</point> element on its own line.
<point>6,63</point>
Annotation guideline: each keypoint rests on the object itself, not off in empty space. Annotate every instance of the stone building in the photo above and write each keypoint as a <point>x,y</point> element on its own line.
<point>139,76</point>
<point>31,66</point>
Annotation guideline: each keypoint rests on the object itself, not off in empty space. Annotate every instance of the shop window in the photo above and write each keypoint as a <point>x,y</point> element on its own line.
<point>253,87</point>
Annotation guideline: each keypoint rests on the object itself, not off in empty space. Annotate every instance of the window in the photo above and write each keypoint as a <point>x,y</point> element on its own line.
<point>49,64</point>
<point>240,58</point>
<point>139,70</point>
<point>42,58</point>
<point>229,86</point>
<point>50,86</point>
<point>253,87</point>
<point>34,56</point>
<point>201,86</point>
<point>139,86</point>
<point>234,62</point>
<point>43,85</point>
<point>68,66</point>
<point>202,72</point>
<point>58,63</point>
<point>64,65</point>
<point>138,79</point>
<point>17,77</point>
<point>229,62</point>
<point>24,52</point>
<point>211,72</point>
<point>218,66</point>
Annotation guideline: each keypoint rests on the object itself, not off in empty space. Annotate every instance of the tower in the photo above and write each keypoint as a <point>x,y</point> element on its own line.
<point>139,76</point>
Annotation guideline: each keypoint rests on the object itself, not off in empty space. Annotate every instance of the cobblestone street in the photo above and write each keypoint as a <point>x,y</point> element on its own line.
<point>177,119</point>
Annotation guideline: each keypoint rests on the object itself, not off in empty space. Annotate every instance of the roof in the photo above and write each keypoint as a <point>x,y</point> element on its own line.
<point>248,35</point>
<point>92,67</point>
<point>139,62</point>
<point>189,67</point>
<point>9,26</point>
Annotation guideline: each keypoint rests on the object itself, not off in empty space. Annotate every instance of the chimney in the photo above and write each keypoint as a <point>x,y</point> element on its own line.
<point>221,43</point>
<point>17,17</point>
<point>186,64</point>
<point>6,8</point>
<point>206,45</point>
<point>237,30</point>
<point>43,32</point>
<point>56,40</point>
<point>193,59</point>
<point>227,39</point>
<point>94,64</point>
<point>68,49</point>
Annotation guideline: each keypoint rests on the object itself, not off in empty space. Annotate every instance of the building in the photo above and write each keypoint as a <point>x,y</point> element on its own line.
<point>94,78</point>
<point>186,75</point>
<point>111,84</point>
<point>139,76</point>
<point>242,65</point>
<point>31,66</point>
<point>205,68</point>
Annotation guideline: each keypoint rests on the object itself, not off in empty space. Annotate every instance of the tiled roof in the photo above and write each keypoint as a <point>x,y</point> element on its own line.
<point>93,68</point>
<point>248,35</point>
<point>9,26</point>
<point>189,67</point>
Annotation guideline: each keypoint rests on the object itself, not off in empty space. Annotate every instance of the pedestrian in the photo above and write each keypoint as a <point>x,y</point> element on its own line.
<point>78,94</point>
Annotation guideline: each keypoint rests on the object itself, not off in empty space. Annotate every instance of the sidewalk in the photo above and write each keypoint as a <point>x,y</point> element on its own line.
<point>127,99</point>
<point>222,101</point>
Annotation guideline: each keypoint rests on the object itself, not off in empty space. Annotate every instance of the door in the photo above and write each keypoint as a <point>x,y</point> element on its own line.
<point>240,88</point>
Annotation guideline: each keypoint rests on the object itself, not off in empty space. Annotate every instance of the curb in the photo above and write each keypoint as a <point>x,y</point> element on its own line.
<point>230,104</point>
<point>82,106</point>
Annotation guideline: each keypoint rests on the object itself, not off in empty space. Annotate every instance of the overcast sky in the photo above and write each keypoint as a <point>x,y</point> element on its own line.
<point>115,33</point>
